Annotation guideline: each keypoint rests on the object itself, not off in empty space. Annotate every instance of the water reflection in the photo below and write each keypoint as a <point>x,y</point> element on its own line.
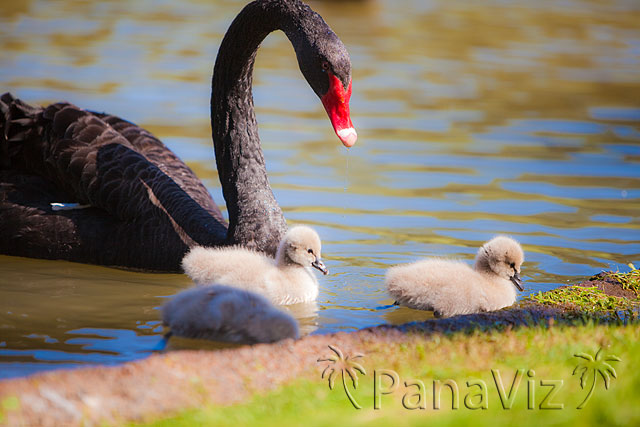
<point>475,118</point>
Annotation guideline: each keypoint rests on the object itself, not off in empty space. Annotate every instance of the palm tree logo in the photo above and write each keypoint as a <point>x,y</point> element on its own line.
<point>342,364</point>
<point>591,368</point>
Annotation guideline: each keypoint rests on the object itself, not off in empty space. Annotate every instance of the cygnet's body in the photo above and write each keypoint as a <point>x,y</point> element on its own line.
<point>223,313</point>
<point>286,280</point>
<point>450,288</point>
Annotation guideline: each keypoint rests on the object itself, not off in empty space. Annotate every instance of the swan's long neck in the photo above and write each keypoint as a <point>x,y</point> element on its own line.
<point>255,219</point>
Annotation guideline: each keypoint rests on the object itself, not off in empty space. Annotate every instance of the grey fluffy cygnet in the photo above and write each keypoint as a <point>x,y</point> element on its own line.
<point>286,280</point>
<point>450,288</point>
<point>223,313</point>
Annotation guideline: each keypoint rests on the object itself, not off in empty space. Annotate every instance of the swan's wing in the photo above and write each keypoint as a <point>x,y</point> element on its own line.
<point>158,154</point>
<point>113,167</point>
<point>86,160</point>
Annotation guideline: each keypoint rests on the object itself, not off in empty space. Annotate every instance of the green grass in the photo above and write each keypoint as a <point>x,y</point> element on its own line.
<point>592,301</point>
<point>8,404</point>
<point>586,300</point>
<point>546,353</point>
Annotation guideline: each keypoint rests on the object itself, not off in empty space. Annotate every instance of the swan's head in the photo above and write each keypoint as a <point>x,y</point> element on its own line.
<point>502,256</point>
<point>301,245</point>
<point>325,63</point>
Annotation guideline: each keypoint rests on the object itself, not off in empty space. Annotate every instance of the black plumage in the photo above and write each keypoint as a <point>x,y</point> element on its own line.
<point>146,206</point>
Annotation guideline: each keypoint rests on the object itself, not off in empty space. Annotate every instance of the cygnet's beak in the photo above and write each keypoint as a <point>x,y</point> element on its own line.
<point>516,280</point>
<point>320,266</point>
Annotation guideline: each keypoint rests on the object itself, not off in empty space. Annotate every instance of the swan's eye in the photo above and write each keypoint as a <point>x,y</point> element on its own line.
<point>325,66</point>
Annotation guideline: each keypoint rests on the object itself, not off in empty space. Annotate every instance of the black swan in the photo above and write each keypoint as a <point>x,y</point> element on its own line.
<point>145,207</point>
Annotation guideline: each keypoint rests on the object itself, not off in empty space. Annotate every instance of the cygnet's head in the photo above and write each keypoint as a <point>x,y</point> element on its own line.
<point>503,256</point>
<point>301,245</point>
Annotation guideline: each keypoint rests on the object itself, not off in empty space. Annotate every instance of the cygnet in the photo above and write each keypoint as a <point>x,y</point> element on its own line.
<point>286,280</point>
<point>450,288</point>
<point>223,313</point>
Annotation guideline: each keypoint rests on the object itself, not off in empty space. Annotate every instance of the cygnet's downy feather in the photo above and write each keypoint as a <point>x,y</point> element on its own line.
<point>288,279</point>
<point>223,313</point>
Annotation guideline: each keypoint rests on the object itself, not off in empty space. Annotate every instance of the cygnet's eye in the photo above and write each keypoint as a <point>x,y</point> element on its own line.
<point>310,251</point>
<point>513,265</point>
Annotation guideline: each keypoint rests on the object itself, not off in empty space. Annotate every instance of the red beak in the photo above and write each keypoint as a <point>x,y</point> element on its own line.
<point>336,102</point>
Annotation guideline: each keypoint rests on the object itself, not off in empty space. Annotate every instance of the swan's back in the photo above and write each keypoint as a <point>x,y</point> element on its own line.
<point>87,155</point>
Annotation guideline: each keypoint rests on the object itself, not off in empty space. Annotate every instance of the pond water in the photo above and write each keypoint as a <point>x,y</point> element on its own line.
<point>474,118</point>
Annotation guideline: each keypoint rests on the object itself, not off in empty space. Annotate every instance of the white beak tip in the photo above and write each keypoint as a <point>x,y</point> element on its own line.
<point>348,136</point>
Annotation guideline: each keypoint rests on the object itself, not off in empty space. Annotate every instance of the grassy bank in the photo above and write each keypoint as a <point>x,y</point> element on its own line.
<point>544,354</point>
